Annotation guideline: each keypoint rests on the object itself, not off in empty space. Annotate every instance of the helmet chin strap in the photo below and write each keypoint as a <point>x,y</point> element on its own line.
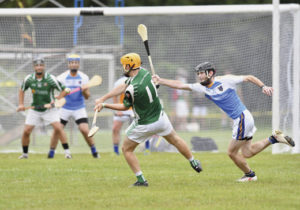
<point>126,73</point>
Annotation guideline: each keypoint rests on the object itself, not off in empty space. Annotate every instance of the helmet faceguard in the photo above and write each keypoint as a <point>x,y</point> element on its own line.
<point>130,61</point>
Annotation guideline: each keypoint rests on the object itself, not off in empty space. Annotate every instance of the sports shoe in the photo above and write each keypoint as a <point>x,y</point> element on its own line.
<point>247,179</point>
<point>50,155</point>
<point>279,136</point>
<point>96,155</point>
<point>196,165</point>
<point>68,156</point>
<point>23,156</point>
<point>140,184</point>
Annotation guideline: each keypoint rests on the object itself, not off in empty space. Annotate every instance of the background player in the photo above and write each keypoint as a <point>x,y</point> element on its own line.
<point>42,85</point>
<point>150,119</point>
<point>222,91</point>
<point>75,106</point>
<point>120,117</point>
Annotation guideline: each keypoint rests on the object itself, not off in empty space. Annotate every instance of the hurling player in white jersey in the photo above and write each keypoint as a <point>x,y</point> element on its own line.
<point>120,117</point>
<point>75,106</point>
<point>222,91</point>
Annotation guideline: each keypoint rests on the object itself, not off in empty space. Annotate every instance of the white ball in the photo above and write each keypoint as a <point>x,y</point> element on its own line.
<point>67,90</point>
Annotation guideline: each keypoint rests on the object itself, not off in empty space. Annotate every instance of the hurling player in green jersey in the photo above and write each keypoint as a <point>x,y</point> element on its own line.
<point>150,119</point>
<point>42,85</point>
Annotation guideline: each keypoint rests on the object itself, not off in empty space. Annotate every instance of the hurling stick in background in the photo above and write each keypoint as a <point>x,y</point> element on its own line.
<point>94,128</point>
<point>57,104</point>
<point>142,30</point>
<point>95,81</point>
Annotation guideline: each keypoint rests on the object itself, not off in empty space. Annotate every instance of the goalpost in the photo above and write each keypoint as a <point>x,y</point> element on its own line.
<point>236,38</point>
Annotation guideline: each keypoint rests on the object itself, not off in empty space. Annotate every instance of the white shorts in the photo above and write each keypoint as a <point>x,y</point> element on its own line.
<point>243,127</point>
<point>182,109</point>
<point>140,133</point>
<point>42,118</point>
<point>126,117</point>
<point>77,114</point>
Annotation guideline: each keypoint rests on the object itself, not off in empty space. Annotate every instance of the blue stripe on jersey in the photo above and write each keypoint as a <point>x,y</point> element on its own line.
<point>241,128</point>
<point>75,100</point>
<point>228,101</point>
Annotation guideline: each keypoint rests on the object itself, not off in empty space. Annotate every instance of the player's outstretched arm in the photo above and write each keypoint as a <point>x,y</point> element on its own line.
<point>63,93</point>
<point>114,92</point>
<point>265,89</point>
<point>170,83</point>
<point>118,107</point>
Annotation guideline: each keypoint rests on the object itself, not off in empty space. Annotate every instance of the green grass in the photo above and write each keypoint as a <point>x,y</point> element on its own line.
<point>87,183</point>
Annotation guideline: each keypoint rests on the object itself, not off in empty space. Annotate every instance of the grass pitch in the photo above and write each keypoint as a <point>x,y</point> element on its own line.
<point>87,183</point>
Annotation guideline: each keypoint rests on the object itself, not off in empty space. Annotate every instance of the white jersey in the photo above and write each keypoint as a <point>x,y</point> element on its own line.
<point>120,81</point>
<point>223,94</point>
<point>75,100</point>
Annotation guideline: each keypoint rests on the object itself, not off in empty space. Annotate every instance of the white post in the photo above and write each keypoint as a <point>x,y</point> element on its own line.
<point>296,86</point>
<point>275,72</point>
<point>111,73</point>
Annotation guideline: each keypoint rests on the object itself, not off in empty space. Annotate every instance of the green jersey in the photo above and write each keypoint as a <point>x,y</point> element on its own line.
<point>142,95</point>
<point>42,89</point>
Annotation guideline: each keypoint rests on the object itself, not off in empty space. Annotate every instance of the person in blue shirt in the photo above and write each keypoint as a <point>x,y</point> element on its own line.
<point>75,106</point>
<point>222,91</point>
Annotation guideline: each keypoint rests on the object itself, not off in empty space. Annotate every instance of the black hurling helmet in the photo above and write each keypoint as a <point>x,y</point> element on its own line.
<point>205,67</point>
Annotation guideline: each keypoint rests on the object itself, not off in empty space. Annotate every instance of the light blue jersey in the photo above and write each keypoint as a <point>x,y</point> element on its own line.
<point>223,94</point>
<point>75,100</point>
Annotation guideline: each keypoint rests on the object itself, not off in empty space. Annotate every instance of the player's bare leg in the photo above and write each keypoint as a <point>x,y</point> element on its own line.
<point>26,140</point>
<point>128,152</point>
<point>54,139</point>
<point>84,129</point>
<point>249,150</point>
<point>239,160</point>
<point>179,143</point>
<point>59,132</point>
<point>116,136</point>
<point>182,147</point>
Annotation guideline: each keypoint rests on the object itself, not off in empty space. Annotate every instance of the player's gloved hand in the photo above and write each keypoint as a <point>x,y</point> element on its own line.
<point>20,108</point>
<point>267,90</point>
